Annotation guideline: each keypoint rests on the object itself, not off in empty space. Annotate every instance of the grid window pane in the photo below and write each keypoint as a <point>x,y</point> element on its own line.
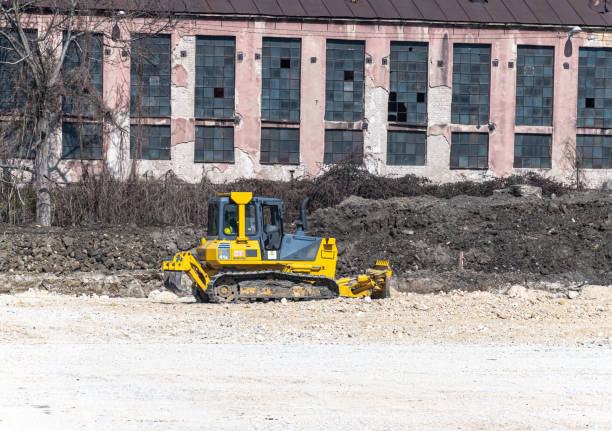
<point>534,85</point>
<point>84,59</point>
<point>408,91</point>
<point>532,151</point>
<point>280,97</point>
<point>280,146</point>
<point>13,75</point>
<point>594,151</point>
<point>595,88</point>
<point>343,145</point>
<point>17,141</point>
<point>344,80</point>
<point>471,84</point>
<point>406,148</point>
<point>469,151</point>
<point>215,72</point>
<point>150,142</point>
<point>214,144</point>
<point>81,141</point>
<point>150,77</point>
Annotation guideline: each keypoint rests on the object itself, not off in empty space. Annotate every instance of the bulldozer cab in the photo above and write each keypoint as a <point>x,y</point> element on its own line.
<point>263,222</point>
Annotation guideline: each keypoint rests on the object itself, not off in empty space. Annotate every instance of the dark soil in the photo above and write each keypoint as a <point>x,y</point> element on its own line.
<point>504,239</point>
<point>100,249</point>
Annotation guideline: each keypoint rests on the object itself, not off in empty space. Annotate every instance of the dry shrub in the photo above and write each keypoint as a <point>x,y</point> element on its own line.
<point>103,199</point>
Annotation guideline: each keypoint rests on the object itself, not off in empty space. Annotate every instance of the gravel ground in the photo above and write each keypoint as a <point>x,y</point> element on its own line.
<point>525,360</point>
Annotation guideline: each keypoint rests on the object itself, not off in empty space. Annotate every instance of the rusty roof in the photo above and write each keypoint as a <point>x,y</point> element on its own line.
<point>482,12</point>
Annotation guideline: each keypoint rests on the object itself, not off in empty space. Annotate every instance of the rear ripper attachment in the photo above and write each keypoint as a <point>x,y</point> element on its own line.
<point>247,257</point>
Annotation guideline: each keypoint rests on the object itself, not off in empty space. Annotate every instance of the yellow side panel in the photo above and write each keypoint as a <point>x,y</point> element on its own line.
<point>247,256</point>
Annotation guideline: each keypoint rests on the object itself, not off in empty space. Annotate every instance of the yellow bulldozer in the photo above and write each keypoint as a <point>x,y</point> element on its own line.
<point>247,257</point>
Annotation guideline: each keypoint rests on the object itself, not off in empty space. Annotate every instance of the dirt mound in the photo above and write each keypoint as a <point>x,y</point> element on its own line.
<point>99,249</point>
<point>504,239</point>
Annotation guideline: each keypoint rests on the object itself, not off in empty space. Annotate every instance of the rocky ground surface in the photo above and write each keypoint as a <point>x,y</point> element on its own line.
<point>519,315</point>
<point>522,360</point>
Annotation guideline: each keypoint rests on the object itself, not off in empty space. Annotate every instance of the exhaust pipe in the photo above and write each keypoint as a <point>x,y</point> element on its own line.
<point>302,224</point>
<point>303,212</point>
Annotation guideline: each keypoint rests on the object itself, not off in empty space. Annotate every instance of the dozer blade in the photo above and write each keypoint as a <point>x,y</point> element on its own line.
<point>374,283</point>
<point>172,281</point>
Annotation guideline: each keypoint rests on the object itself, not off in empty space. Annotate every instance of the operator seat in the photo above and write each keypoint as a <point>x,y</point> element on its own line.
<point>273,237</point>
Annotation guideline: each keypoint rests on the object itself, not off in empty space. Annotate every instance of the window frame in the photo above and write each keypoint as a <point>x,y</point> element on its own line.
<point>534,86</point>
<point>581,120</point>
<point>410,45</point>
<point>329,114</point>
<point>391,133</point>
<point>269,151</point>
<point>265,118</point>
<point>200,39</point>
<point>580,151</point>
<point>81,148</point>
<point>133,136</point>
<point>146,110</point>
<point>456,145</point>
<point>455,85</point>
<point>353,158</point>
<point>539,157</point>
<point>202,139</point>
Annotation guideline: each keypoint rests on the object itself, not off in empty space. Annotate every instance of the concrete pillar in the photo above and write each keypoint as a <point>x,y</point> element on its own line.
<point>116,89</point>
<point>312,105</point>
<point>376,100</point>
<point>247,135</point>
<point>439,100</point>
<point>502,106</point>
<point>565,105</point>
<point>182,107</point>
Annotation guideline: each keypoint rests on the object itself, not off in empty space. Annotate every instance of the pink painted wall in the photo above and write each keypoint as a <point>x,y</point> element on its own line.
<point>377,39</point>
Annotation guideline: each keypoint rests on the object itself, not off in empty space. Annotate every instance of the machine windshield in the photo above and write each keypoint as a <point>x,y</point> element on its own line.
<point>230,219</point>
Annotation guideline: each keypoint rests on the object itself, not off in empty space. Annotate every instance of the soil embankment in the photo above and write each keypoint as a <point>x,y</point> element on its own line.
<point>548,243</point>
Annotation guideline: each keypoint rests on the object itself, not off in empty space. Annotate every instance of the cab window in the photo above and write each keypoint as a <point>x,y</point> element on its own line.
<point>230,220</point>
<point>213,219</point>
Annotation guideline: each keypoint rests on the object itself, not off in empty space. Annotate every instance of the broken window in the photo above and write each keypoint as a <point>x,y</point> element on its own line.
<point>83,70</point>
<point>532,151</point>
<point>534,85</point>
<point>215,77</point>
<point>469,151</point>
<point>214,144</point>
<point>280,97</point>
<point>408,86</point>
<point>150,77</point>
<point>280,145</point>
<point>406,148</point>
<point>595,88</point>
<point>343,145</point>
<point>594,151</point>
<point>150,142</point>
<point>82,141</point>
<point>471,84</point>
<point>344,80</point>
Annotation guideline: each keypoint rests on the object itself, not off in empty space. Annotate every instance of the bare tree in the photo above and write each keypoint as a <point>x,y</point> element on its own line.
<point>47,50</point>
<point>574,160</point>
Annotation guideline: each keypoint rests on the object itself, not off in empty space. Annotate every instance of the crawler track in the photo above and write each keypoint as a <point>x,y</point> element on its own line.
<point>262,285</point>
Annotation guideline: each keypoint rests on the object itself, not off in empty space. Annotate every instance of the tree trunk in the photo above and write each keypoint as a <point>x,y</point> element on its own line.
<point>42,181</point>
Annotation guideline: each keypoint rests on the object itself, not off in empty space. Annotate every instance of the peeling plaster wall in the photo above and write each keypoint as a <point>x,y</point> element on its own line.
<point>377,38</point>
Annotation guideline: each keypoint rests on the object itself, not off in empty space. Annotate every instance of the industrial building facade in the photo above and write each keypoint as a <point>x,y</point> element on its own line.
<point>444,89</point>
